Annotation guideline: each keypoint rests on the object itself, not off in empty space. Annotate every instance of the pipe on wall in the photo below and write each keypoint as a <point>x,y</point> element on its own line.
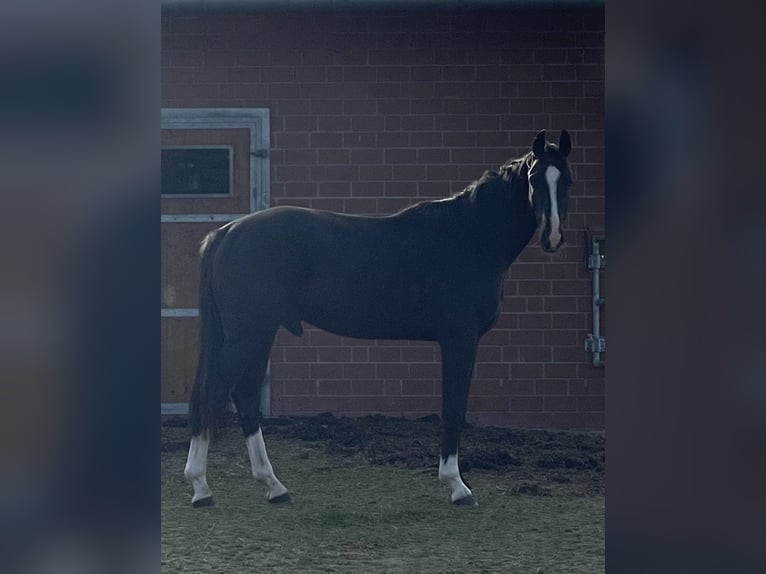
<point>594,342</point>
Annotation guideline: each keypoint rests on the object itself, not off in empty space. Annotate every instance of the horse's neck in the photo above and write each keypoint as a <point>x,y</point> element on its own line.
<point>522,224</point>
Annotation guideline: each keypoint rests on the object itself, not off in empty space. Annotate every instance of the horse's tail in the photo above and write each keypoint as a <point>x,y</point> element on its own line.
<point>209,401</point>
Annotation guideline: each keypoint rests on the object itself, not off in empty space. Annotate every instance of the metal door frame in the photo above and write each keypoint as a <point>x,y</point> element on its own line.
<point>257,121</point>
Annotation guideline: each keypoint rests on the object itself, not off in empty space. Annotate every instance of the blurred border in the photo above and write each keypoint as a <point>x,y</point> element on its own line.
<point>79,158</point>
<point>686,392</point>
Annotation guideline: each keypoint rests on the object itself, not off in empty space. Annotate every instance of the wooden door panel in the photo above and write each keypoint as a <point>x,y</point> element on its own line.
<point>181,263</point>
<point>180,343</point>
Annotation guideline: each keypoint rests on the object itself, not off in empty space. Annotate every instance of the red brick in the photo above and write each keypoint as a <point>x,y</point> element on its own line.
<point>286,405</point>
<point>326,370</point>
<point>342,173</point>
<point>408,155</point>
<point>511,354</point>
<point>310,74</point>
<point>526,106</point>
<point>534,354</point>
<point>328,204</point>
<point>488,404</point>
<point>392,370</point>
<point>367,388</point>
<point>359,371</point>
<point>489,354</point>
<point>325,106</point>
<point>522,404</point>
<point>459,139</point>
<point>516,387</point>
<point>291,371</point>
<point>495,337</point>
<point>525,73</point>
<point>300,387</point>
<point>334,387</point>
<point>360,354</point>
<point>559,370</point>
<point>534,287</point>
<point>569,354</point>
<point>418,387</point>
<point>333,354</point>
<point>586,370</point>
<point>390,139</point>
<point>551,56</point>
<point>334,123</point>
<point>560,304</point>
<point>492,370</point>
<point>559,404</point>
<point>419,355</point>
<point>568,320</point>
<point>360,205</point>
<point>534,321</point>
<point>561,105</point>
<point>586,387</point>
<point>392,388</point>
<point>551,387</point>
<point>526,337</point>
<point>300,354</point>
<point>373,123</point>
<point>299,157</point>
<point>526,370</point>
<point>569,287</point>
<point>591,403</point>
<point>376,173</point>
<point>330,156</point>
<point>425,371</point>
<point>487,387</point>
<point>385,354</point>
<point>428,147</point>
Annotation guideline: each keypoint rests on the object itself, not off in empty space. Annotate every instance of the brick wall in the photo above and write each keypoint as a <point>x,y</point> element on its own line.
<point>373,111</point>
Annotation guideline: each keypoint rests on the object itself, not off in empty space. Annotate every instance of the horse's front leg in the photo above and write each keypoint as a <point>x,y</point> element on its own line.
<point>458,356</point>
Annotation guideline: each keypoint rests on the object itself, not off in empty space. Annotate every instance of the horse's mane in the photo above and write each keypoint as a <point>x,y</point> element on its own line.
<point>453,205</point>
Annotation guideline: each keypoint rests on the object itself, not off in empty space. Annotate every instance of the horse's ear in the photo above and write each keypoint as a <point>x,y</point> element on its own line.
<point>565,143</point>
<point>538,146</point>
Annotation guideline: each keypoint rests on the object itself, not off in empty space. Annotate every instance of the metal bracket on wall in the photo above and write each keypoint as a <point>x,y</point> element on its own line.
<point>596,263</point>
<point>594,344</point>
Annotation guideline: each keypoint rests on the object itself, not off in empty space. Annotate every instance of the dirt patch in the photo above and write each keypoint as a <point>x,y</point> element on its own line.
<point>538,463</point>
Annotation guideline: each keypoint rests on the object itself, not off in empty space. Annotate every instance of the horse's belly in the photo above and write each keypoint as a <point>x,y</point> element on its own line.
<point>368,313</point>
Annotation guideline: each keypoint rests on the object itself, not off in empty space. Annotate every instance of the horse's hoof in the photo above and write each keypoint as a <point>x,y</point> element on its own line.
<point>466,501</point>
<point>207,501</point>
<point>281,498</point>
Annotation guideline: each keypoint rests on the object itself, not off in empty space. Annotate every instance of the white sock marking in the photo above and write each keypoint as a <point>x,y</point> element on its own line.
<point>261,466</point>
<point>196,466</point>
<point>449,473</point>
<point>552,175</point>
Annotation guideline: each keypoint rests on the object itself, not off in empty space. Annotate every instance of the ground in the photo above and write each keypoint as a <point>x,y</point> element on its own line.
<point>366,499</point>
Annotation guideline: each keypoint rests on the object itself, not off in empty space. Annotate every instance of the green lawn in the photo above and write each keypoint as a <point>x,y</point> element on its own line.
<point>348,515</point>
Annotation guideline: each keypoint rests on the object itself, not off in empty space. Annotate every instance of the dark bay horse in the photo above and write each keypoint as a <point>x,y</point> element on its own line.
<point>431,272</point>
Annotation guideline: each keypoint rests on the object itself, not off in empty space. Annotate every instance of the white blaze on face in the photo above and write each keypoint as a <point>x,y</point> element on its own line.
<point>261,466</point>
<point>196,467</point>
<point>552,175</point>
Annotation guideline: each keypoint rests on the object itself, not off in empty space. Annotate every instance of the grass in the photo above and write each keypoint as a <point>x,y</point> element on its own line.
<point>350,516</point>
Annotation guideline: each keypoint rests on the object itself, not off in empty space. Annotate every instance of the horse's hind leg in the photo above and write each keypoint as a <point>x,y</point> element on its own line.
<point>195,470</point>
<point>247,399</point>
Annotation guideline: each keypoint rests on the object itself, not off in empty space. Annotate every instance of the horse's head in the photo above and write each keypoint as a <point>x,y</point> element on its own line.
<point>550,178</point>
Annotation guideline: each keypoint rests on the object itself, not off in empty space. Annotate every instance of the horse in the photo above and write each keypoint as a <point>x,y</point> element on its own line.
<point>433,271</point>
